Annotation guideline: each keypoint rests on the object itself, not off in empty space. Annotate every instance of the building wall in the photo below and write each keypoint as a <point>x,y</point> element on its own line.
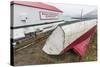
<point>32,14</point>
<point>32,17</point>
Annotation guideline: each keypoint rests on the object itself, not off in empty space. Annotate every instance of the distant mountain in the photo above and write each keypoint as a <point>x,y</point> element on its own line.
<point>89,15</point>
<point>92,14</point>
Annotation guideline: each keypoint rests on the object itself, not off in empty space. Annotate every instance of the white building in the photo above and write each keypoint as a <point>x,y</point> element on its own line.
<point>29,16</point>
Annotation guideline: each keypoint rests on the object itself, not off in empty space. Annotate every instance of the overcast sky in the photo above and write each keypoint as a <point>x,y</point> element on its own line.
<point>73,9</point>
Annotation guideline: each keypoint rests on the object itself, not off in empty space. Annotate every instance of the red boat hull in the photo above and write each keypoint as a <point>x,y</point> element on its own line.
<point>79,46</point>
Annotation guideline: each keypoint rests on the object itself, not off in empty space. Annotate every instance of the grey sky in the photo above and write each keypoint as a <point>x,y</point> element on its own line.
<point>74,10</point>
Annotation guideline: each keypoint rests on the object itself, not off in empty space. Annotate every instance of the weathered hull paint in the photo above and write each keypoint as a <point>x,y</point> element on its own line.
<point>76,36</point>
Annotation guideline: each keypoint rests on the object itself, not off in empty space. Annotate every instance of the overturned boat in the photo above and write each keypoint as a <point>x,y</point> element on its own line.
<point>74,36</point>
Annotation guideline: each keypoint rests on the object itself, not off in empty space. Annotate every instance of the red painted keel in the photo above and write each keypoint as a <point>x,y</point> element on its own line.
<point>79,46</point>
